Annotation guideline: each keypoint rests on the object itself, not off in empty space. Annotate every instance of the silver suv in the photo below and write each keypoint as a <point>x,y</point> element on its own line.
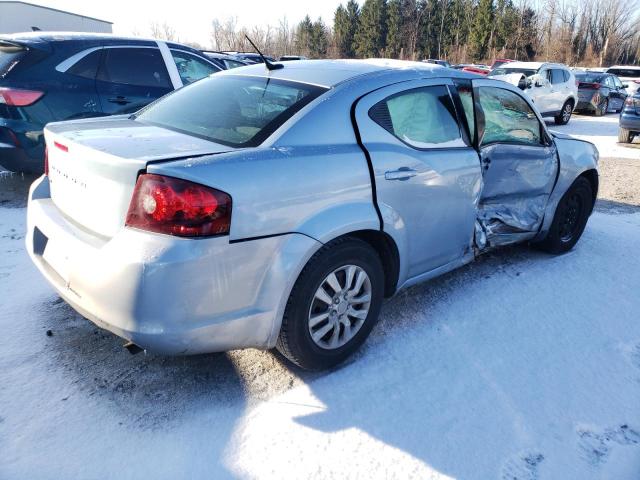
<point>551,86</point>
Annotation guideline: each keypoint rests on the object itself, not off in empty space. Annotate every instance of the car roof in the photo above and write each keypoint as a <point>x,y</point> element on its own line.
<point>626,67</point>
<point>532,65</point>
<point>329,73</point>
<point>42,37</point>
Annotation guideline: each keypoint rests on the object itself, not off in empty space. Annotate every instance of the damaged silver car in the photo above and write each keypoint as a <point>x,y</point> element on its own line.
<point>279,207</point>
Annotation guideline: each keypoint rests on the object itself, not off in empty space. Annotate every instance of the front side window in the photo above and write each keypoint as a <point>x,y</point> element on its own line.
<point>508,118</point>
<point>527,72</point>
<point>232,110</point>
<point>134,66</point>
<point>422,117</point>
<point>192,68</point>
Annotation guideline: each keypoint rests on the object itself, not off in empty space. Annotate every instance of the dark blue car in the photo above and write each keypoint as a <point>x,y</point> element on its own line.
<point>630,119</point>
<point>47,77</point>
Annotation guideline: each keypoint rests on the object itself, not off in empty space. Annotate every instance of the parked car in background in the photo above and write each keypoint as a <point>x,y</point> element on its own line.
<point>250,57</point>
<point>479,69</point>
<point>46,77</point>
<point>629,74</point>
<point>442,63</point>
<point>552,86</point>
<point>225,61</point>
<point>599,93</point>
<point>499,62</point>
<point>629,127</point>
<point>288,58</point>
<point>230,223</point>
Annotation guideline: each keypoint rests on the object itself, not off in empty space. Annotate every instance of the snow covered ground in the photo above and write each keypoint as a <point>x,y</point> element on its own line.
<point>602,131</point>
<point>520,366</point>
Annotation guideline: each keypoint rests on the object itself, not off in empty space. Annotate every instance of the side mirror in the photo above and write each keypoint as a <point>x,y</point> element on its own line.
<point>625,85</point>
<point>540,82</point>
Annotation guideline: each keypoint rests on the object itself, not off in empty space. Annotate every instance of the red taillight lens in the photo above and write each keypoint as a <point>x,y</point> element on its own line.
<point>595,86</point>
<point>178,207</point>
<point>46,161</point>
<point>19,98</point>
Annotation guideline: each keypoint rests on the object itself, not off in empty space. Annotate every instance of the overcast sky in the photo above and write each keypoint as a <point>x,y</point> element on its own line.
<point>192,18</point>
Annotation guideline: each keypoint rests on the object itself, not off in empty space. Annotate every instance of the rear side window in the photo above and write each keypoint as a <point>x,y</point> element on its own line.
<point>192,68</point>
<point>422,117</point>
<point>10,55</point>
<point>134,66</point>
<point>87,66</point>
<point>231,110</point>
<point>566,75</point>
<point>625,72</point>
<point>557,76</point>
<point>508,118</point>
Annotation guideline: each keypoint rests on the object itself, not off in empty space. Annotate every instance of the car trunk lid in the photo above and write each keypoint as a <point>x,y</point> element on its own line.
<point>93,165</point>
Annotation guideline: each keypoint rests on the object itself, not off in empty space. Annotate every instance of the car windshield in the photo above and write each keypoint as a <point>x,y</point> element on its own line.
<point>625,72</point>
<point>589,77</point>
<point>232,110</point>
<point>527,72</point>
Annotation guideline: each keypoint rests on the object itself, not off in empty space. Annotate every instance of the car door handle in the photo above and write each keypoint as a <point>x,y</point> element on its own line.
<point>120,100</point>
<point>400,174</point>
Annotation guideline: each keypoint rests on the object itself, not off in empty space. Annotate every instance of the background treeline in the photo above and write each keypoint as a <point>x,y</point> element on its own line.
<point>577,32</point>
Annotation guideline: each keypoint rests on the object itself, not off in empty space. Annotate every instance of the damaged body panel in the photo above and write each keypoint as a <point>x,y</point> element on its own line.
<point>517,183</point>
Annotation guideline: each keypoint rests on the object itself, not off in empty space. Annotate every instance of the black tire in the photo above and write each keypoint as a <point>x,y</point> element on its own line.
<point>295,341</point>
<point>602,108</point>
<point>624,135</point>
<point>570,218</point>
<point>565,114</point>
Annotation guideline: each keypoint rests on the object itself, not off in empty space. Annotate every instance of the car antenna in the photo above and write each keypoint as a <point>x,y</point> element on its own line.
<point>267,63</point>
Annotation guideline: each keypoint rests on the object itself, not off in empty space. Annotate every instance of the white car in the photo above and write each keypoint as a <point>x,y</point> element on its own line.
<point>551,86</point>
<point>629,75</point>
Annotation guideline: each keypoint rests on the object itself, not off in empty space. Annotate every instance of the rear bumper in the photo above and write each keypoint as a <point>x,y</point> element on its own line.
<point>165,294</point>
<point>21,151</point>
<point>630,121</point>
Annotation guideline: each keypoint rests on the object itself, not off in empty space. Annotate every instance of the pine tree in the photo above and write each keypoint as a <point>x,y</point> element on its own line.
<point>344,28</point>
<point>394,29</point>
<point>370,37</point>
<point>304,35</point>
<point>319,40</point>
<point>482,29</point>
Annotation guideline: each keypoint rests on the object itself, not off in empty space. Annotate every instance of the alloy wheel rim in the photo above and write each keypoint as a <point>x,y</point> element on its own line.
<point>339,307</point>
<point>567,112</point>
<point>571,213</point>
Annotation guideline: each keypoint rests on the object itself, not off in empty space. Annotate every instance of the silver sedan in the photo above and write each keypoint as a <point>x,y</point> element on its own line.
<point>278,208</point>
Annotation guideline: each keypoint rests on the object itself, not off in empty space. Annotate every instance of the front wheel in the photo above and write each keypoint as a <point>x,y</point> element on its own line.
<point>565,114</point>
<point>570,218</point>
<point>624,135</point>
<point>333,305</point>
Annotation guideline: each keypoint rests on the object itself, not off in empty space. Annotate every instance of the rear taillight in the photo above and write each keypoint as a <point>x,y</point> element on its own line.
<point>628,101</point>
<point>595,86</point>
<point>19,98</point>
<point>178,207</point>
<point>46,161</point>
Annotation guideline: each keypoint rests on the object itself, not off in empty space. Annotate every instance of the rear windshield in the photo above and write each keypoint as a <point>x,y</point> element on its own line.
<point>588,77</point>
<point>232,110</point>
<point>625,72</point>
<point>527,72</point>
<point>9,56</point>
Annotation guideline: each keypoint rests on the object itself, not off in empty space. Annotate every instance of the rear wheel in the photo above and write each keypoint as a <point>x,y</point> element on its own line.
<point>333,305</point>
<point>565,114</point>
<point>602,108</point>
<point>624,135</point>
<point>570,218</point>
